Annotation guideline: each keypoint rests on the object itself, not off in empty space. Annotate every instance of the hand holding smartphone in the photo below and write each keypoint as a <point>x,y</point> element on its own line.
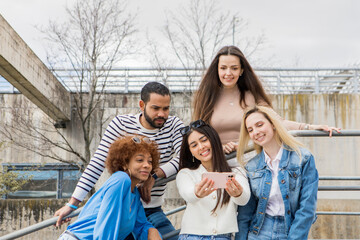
<point>220,178</point>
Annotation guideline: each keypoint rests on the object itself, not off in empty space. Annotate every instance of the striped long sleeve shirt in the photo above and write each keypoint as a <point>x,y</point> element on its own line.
<point>168,139</point>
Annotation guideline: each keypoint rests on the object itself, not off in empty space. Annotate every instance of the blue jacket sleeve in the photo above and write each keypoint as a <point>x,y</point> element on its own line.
<point>244,217</point>
<point>109,216</point>
<point>305,214</point>
<point>142,225</point>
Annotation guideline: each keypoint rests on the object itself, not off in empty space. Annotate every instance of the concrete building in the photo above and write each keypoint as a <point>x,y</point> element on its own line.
<point>44,100</point>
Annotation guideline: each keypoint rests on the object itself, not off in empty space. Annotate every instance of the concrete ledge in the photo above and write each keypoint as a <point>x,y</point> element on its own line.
<point>25,71</point>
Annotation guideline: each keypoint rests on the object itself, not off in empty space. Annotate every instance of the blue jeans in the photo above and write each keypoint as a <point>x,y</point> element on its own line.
<point>272,228</point>
<point>205,237</point>
<point>158,219</point>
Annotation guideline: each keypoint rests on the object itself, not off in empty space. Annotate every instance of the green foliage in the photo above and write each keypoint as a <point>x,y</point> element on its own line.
<point>10,181</point>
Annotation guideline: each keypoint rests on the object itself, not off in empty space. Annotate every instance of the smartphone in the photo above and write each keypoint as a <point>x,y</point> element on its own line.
<point>220,178</point>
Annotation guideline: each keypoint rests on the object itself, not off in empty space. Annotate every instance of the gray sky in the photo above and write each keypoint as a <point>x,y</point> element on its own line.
<point>306,33</point>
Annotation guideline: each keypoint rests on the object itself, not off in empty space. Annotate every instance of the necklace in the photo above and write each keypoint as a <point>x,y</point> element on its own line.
<point>230,95</point>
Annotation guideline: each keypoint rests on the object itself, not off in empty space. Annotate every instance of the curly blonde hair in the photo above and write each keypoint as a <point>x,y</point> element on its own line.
<point>122,150</point>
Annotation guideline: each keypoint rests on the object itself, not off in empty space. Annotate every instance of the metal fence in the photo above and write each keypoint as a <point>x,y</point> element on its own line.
<point>297,133</point>
<point>275,80</point>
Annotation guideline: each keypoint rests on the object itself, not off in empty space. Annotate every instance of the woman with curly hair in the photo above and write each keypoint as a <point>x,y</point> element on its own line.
<point>115,210</point>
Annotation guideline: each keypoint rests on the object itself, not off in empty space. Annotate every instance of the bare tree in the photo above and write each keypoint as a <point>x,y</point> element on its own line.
<point>96,35</point>
<point>197,30</point>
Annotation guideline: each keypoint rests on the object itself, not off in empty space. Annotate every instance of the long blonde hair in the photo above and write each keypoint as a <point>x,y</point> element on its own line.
<point>281,134</point>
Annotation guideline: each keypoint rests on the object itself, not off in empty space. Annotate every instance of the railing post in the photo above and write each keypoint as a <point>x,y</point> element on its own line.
<point>278,82</point>
<point>164,77</point>
<point>126,90</point>
<point>356,81</point>
<point>59,184</point>
<point>317,82</point>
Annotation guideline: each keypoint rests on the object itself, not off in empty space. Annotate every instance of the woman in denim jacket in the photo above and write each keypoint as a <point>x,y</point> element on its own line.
<point>283,180</point>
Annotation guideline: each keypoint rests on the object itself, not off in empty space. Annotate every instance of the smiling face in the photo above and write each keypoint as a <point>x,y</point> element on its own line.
<point>229,70</point>
<point>260,130</point>
<point>140,166</point>
<point>156,111</point>
<point>200,148</point>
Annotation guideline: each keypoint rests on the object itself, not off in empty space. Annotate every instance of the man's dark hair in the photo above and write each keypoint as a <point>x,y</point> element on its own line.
<point>153,87</point>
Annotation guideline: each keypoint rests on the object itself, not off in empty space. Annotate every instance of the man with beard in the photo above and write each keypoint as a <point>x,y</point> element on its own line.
<point>153,122</point>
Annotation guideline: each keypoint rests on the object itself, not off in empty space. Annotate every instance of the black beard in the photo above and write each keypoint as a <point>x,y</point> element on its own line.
<point>152,121</point>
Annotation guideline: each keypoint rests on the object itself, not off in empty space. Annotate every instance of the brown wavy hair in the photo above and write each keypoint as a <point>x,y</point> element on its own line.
<point>122,150</point>
<point>208,92</point>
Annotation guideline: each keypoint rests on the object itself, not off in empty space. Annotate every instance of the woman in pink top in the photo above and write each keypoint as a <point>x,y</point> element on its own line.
<point>229,86</point>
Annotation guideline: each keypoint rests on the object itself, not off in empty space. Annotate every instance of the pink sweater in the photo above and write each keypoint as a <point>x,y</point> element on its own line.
<point>227,115</point>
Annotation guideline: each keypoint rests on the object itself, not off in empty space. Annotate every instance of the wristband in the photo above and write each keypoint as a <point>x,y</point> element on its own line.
<point>72,206</point>
<point>155,176</point>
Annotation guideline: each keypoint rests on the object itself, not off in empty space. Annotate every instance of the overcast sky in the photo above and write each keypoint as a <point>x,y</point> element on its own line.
<point>306,33</point>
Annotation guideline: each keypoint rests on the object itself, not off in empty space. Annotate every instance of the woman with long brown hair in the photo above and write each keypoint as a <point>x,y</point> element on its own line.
<point>227,88</point>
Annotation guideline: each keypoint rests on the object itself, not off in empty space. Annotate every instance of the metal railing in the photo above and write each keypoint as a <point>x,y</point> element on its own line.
<point>297,133</point>
<point>37,226</point>
<point>275,80</point>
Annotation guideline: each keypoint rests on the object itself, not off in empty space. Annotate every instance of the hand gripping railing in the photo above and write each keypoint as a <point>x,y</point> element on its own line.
<point>296,133</point>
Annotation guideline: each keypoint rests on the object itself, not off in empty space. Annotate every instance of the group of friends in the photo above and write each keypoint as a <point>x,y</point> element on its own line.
<point>272,195</point>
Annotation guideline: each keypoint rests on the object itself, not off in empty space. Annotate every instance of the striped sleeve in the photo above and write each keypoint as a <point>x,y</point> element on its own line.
<point>171,167</point>
<point>96,165</point>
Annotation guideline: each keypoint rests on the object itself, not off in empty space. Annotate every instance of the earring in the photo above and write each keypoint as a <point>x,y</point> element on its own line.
<point>193,159</point>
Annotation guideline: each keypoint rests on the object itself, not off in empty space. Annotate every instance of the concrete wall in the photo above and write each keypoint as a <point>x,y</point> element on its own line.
<point>334,156</point>
<point>18,214</point>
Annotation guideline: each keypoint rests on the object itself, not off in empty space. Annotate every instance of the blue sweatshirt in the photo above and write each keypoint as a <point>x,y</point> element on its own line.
<point>113,212</point>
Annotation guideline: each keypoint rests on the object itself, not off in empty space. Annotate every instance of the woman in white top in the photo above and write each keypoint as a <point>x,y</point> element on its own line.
<point>210,212</point>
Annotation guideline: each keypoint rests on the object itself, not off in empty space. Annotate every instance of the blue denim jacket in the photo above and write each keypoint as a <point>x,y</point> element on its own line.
<point>298,181</point>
